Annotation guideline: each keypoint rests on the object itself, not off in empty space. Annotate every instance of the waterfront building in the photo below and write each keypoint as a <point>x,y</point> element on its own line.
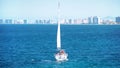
<point>36,21</point>
<point>118,20</point>
<point>90,20</point>
<point>85,21</point>
<point>39,21</point>
<point>1,21</point>
<point>95,20</point>
<point>48,21</point>
<point>62,21</point>
<point>25,21</point>
<point>70,21</point>
<point>78,21</point>
<point>8,21</point>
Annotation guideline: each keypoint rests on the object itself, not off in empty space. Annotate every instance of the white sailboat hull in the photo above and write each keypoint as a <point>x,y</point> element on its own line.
<point>61,56</point>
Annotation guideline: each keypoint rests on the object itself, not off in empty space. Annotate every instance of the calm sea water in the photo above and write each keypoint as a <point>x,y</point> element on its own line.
<point>34,46</point>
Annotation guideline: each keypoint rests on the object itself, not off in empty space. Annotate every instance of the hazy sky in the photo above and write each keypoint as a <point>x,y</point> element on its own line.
<point>48,8</point>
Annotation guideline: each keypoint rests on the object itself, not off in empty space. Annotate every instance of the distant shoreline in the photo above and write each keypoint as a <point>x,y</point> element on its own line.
<point>62,24</point>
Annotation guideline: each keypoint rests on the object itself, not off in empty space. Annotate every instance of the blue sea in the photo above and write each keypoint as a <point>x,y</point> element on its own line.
<point>34,46</point>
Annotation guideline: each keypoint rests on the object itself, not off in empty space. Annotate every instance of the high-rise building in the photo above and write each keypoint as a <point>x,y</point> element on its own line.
<point>44,21</point>
<point>1,21</point>
<point>8,21</point>
<point>84,21</point>
<point>95,20</point>
<point>48,21</point>
<point>38,21</point>
<point>41,22</point>
<point>99,20</point>
<point>118,20</point>
<point>70,21</point>
<point>25,21</point>
<point>89,20</point>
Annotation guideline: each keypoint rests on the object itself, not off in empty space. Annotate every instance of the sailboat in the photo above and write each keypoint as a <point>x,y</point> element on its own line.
<point>61,55</point>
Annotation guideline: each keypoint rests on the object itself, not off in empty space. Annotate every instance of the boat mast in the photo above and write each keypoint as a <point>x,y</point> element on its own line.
<point>58,31</point>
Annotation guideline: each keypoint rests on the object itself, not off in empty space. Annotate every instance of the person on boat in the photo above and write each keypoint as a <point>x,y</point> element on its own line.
<point>62,52</point>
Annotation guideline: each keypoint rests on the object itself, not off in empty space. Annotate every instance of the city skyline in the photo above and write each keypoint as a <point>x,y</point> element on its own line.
<point>90,20</point>
<point>48,9</point>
